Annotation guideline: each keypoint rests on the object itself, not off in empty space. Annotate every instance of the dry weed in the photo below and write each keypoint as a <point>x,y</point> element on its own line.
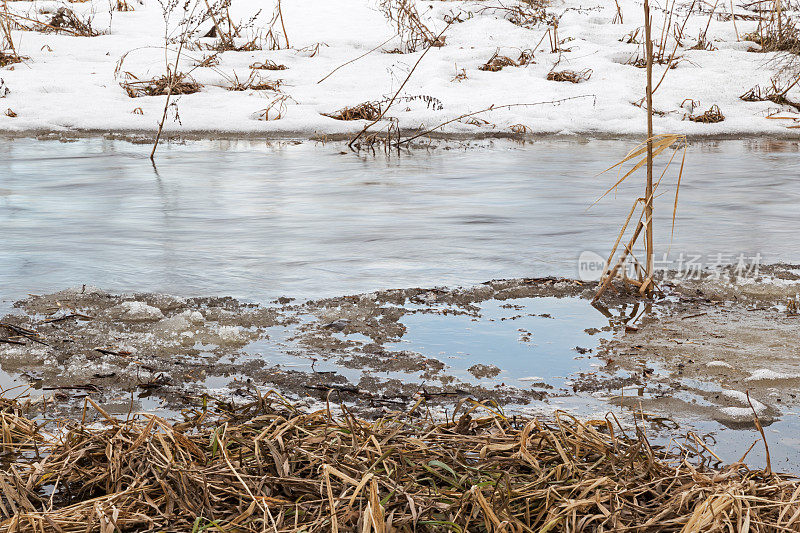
<point>9,58</point>
<point>711,116</point>
<point>569,75</point>
<point>254,82</point>
<point>414,34</point>
<point>181,84</point>
<point>267,65</point>
<point>268,466</point>
<point>363,111</point>
<point>276,109</point>
<point>497,62</point>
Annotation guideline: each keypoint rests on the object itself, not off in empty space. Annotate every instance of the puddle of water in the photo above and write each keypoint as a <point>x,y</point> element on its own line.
<point>530,340</point>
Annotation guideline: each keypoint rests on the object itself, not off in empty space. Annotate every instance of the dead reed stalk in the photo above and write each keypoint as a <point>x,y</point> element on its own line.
<point>650,148</point>
<point>267,466</point>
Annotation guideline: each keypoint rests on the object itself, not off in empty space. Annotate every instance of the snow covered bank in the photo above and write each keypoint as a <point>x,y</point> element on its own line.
<point>73,83</point>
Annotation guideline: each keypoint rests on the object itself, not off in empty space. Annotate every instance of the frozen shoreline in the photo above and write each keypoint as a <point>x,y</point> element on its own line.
<point>68,85</point>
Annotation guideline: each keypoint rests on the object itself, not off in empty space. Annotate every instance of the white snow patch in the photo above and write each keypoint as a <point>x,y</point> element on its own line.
<point>719,364</point>
<point>742,397</point>
<point>231,334</point>
<point>137,311</point>
<point>70,83</point>
<point>767,374</point>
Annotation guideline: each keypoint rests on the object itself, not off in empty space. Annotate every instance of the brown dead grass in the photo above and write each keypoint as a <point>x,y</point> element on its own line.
<point>267,466</point>
<point>570,75</point>
<point>182,84</point>
<point>9,58</point>
<point>363,111</point>
<point>711,116</point>
<point>254,82</point>
<point>267,65</point>
<point>497,62</point>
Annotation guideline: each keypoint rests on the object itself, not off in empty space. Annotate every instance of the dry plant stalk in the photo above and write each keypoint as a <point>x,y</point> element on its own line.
<point>275,110</point>
<point>363,111</point>
<point>162,86</point>
<point>266,466</point>
<point>409,26</point>
<point>254,82</point>
<point>8,50</point>
<point>570,75</point>
<point>497,62</point>
<point>711,116</point>
<point>648,150</point>
<point>267,65</point>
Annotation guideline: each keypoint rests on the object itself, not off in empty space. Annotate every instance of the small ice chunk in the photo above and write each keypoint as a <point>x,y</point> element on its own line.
<point>531,378</point>
<point>742,397</point>
<point>767,374</point>
<point>136,311</point>
<point>738,413</point>
<point>718,363</point>
<point>230,333</point>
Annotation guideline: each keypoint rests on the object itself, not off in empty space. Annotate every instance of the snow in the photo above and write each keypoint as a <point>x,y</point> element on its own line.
<point>767,374</point>
<point>231,334</point>
<point>69,83</point>
<point>742,398</point>
<point>718,364</point>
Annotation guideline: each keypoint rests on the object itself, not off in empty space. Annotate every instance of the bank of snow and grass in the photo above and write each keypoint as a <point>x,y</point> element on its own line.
<point>72,83</point>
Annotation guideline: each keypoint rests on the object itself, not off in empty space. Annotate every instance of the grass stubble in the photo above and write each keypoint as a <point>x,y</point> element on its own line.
<point>267,466</point>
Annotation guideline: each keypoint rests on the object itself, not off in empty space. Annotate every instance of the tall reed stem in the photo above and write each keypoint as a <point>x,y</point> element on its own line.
<point>647,287</point>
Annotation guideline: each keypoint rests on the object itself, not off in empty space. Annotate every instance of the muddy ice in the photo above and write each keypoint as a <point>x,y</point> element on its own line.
<point>527,344</point>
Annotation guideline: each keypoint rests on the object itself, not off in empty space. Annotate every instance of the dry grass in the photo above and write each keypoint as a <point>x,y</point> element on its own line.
<point>570,75</point>
<point>497,62</point>
<point>254,82</point>
<point>711,116</point>
<point>182,84</point>
<point>276,109</point>
<point>66,20</point>
<point>268,467</point>
<point>413,32</point>
<point>363,111</point>
<point>8,58</point>
<point>267,65</point>
<point>775,93</point>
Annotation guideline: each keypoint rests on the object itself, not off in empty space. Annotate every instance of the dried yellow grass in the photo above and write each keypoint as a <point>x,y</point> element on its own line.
<point>266,466</point>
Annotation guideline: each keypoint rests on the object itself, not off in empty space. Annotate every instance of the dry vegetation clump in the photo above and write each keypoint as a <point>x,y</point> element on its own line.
<point>777,34</point>
<point>497,62</point>
<point>8,58</point>
<point>209,61</point>
<point>123,6</point>
<point>363,111</point>
<point>267,65</point>
<point>775,93</point>
<point>254,82</point>
<point>569,75</point>
<point>526,13</point>
<point>275,110</point>
<point>66,20</point>
<point>227,34</point>
<point>181,84</point>
<point>414,34</point>
<point>711,116</point>
<point>267,466</point>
